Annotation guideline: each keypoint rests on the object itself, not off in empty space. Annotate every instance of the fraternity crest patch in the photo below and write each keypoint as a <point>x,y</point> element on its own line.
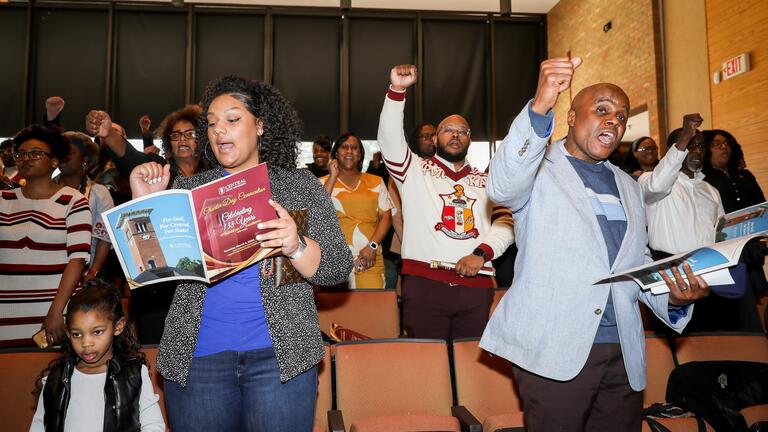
<point>458,221</point>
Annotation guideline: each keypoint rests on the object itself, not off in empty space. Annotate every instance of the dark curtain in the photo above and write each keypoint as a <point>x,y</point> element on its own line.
<point>150,66</point>
<point>375,46</point>
<point>518,54</point>
<point>13,28</point>
<point>70,49</point>
<point>454,75</point>
<point>306,70</point>
<point>228,44</point>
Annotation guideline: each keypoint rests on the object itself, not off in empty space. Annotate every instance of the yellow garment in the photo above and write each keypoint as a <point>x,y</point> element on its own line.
<point>359,210</point>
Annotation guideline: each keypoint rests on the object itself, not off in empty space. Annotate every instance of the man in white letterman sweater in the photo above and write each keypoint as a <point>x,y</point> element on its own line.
<point>447,217</point>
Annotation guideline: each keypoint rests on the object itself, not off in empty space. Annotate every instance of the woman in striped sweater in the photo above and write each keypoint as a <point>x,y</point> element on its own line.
<point>45,239</point>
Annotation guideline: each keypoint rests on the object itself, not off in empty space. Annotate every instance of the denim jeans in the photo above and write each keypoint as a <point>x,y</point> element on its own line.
<point>241,391</point>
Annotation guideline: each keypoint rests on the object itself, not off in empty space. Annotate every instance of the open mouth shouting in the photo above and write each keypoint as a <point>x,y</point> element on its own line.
<point>607,137</point>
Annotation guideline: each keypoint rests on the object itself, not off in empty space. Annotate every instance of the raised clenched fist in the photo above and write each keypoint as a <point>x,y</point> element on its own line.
<point>403,76</point>
<point>554,77</point>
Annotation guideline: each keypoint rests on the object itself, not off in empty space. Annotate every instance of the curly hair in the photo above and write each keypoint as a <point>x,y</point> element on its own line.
<point>98,295</point>
<point>191,114</point>
<point>279,144</point>
<point>49,135</point>
<point>735,163</point>
<point>344,138</point>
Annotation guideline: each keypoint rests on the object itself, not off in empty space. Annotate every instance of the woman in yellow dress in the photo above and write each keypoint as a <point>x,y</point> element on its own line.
<point>364,209</point>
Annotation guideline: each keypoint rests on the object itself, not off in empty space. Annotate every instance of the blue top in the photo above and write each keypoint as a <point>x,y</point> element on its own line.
<point>233,315</point>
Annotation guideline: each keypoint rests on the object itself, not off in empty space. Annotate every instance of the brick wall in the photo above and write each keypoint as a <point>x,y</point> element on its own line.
<point>626,55</point>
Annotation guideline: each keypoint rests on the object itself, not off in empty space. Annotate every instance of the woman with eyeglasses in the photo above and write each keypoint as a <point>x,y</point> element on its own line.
<point>149,305</point>
<point>45,240</point>
<point>177,132</point>
<point>643,157</point>
<point>724,168</point>
<point>363,207</point>
<point>241,354</point>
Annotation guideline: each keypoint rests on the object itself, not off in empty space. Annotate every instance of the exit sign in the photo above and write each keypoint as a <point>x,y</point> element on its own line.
<point>735,66</point>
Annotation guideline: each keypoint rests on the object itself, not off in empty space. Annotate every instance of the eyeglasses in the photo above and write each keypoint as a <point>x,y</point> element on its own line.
<point>426,136</point>
<point>188,134</point>
<point>647,149</point>
<point>718,144</point>
<point>31,155</point>
<point>447,130</point>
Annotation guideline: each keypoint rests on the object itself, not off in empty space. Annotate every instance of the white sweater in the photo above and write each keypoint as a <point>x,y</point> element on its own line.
<point>446,213</point>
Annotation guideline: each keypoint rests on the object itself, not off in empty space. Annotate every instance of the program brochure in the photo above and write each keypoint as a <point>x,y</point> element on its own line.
<point>732,232</point>
<point>203,234</point>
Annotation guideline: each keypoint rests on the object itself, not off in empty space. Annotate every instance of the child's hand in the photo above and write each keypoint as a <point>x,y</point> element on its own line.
<point>55,330</point>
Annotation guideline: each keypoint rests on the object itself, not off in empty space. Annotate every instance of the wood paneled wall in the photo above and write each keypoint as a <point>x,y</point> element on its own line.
<point>740,105</point>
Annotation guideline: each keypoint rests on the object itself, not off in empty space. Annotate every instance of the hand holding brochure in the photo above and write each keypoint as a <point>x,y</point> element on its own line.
<point>204,234</point>
<point>733,231</point>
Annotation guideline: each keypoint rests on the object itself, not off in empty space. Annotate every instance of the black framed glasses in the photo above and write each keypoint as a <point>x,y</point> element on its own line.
<point>427,136</point>
<point>188,134</point>
<point>31,155</point>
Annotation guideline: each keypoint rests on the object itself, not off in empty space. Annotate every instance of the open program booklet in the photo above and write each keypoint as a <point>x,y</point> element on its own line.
<point>732,232</point>
<point>204,234</point>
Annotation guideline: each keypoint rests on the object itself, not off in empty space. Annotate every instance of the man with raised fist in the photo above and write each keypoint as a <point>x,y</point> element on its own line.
<point>577,346</point>
<point>448,218</point>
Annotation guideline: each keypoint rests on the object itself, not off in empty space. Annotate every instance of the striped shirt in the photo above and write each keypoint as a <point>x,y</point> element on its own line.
<point>38,237</point>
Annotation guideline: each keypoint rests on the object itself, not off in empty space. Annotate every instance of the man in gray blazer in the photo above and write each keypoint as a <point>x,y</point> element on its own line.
<point>578,347</point>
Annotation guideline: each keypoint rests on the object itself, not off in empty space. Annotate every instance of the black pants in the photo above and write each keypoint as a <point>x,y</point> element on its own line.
<point>436,310</point>
<point>149,307</point>
<point>598,399</point>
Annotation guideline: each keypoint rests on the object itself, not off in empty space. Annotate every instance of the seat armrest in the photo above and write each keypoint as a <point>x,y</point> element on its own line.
<point>468,422</point>
<point>335,421</point>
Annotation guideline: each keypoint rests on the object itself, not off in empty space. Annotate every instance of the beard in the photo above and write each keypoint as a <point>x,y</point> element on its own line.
<point>452,157</point>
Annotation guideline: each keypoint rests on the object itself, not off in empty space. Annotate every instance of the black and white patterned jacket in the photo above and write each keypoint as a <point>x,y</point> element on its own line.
<point>290,310</point>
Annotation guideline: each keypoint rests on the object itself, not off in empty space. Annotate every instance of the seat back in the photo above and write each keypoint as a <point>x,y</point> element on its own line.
<point>722,346</point>
<point>19,370</point>
<point>392,378</point>
<point>659,364</point>
<point>498,293</point>
<point>484,383</point>
<point>324,393</point>
<point>370,312</point>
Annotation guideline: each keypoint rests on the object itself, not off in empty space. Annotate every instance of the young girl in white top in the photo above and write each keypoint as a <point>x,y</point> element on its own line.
<point>100,382</point>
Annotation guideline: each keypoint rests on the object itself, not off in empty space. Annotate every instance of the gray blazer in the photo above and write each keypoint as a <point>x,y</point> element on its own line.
<point>290,309</point>
<point>547,321</point>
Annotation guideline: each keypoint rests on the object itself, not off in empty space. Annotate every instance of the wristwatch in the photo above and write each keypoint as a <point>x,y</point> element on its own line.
<point>373,245</point>
<point>300,250</point>
<point>479,252</point>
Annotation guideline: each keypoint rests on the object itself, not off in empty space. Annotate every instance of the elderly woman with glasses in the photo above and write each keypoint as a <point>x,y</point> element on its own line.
<point>45,240</point>
<point>177,132</point>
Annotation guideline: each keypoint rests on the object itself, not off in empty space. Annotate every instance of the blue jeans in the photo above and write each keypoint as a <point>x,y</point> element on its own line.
<point>241,391</point>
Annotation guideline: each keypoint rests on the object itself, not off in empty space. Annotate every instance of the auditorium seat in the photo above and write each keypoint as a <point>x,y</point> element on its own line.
<point>19,370</point>
<point>727,346</point>
<point>722,346</point>
<point>393,385</point>
<point>659,364</point>
<point>371,312</point>
<point>485,386</point>
<point>498,293</point>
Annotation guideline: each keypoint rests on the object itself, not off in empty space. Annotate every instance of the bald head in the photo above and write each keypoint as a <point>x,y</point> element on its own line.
<point>453,119</point>
<point>597,121</point>
<point>589,94</point>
